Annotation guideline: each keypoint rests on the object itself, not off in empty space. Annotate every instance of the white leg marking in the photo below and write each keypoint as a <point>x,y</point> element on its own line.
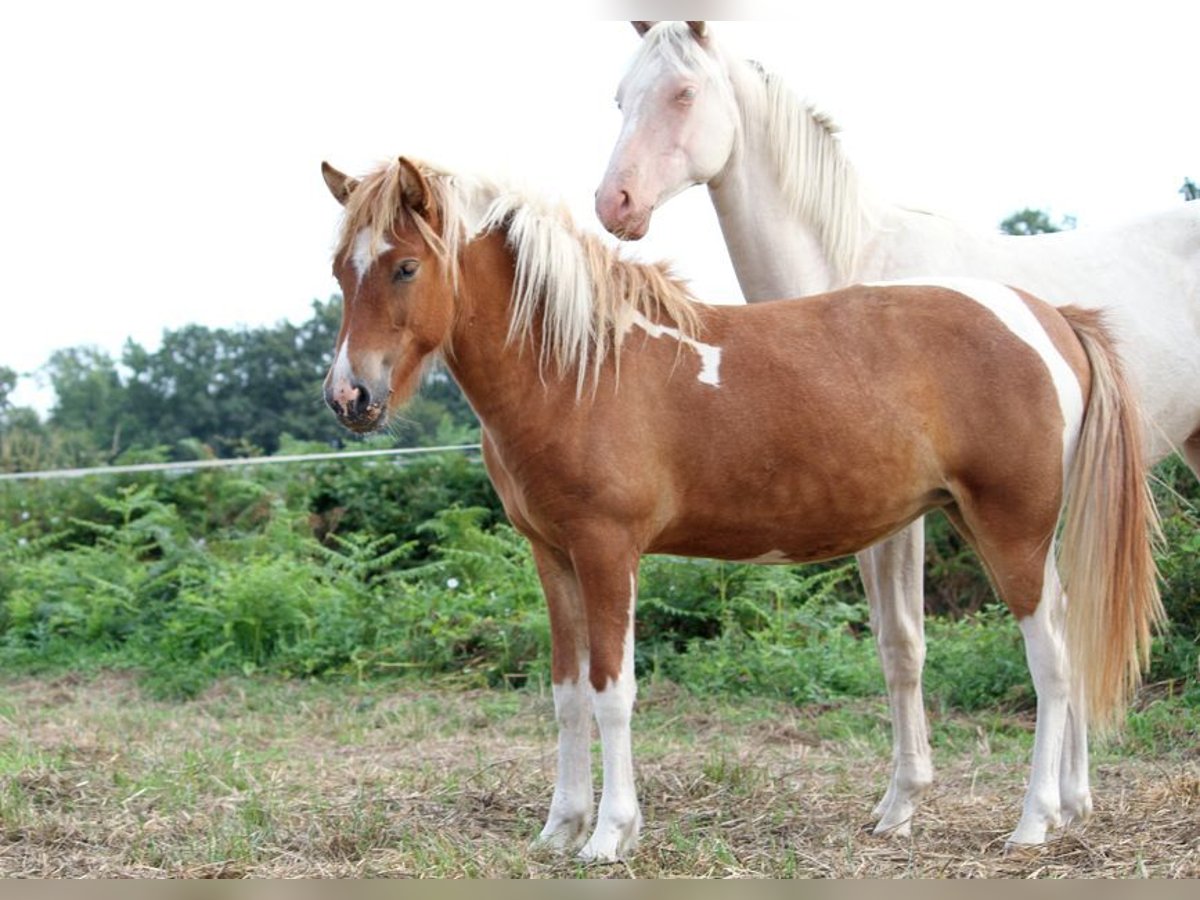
<point>891,572</point>
<point>1074,791</point>
<point>710,355</point>
<point>571,807</point>
<point>1046,652</point>
<point>619,819</point>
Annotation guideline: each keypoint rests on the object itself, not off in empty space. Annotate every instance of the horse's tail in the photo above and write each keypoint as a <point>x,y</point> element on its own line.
<point>1106,557</point>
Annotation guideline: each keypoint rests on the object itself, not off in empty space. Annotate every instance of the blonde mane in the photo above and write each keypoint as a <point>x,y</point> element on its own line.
<point>815,176</point>
<point>571,290</point>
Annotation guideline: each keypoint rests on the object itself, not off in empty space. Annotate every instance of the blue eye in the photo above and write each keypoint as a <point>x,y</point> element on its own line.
<point>687,95</point>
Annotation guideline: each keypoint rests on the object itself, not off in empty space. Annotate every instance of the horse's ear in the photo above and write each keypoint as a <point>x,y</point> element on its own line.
<point>414,188</point>
<point>642,27</point>
<point>340,185</point>
<point>699,29</point>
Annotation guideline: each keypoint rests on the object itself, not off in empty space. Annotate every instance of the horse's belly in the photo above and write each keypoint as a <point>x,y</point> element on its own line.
<point>801,533</point>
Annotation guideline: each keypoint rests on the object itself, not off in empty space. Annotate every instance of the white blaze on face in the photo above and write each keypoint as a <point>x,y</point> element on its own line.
<point>340,372</point>
<point>362,257</point>
<point>710,355</point>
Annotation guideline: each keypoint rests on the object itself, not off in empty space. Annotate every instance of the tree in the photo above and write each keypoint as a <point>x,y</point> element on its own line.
<point>89,398</point>
<point>236,392</point>
<point>8,382</point>
<point>1034,221</point>
<point>1190,190</point>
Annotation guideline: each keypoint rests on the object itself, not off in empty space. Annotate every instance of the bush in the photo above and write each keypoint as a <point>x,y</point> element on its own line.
<point>365,569</point>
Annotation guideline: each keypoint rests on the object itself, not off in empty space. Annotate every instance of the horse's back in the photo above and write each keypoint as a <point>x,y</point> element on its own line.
<point>851,413</point>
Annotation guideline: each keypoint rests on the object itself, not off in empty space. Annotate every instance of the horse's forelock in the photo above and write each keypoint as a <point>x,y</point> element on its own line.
<point>376,208</point>
<point>674,43</point>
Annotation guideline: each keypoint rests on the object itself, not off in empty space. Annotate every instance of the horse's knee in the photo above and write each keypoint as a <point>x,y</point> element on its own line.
<point>902,654</point>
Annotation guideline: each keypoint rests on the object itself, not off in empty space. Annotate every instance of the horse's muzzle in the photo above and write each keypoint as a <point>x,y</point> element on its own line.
<point>619,214</point>
<point>356,407</point>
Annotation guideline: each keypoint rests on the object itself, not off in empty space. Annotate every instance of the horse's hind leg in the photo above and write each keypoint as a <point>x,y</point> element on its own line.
<point>1024,575</point>
<point>1046,653</point>
<point>1073,781</point>
<point>892,573</point>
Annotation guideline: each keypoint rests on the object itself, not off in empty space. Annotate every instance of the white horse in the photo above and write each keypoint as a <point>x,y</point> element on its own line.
<point>796,221</point>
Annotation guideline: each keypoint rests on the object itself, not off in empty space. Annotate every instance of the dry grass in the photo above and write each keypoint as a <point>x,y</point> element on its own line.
<point>287,780</point>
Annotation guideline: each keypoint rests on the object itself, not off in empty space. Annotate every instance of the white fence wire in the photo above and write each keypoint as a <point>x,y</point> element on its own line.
<point>193,464</point>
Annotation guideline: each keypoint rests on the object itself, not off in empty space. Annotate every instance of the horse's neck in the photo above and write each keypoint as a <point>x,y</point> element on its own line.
<point>498,377</point>
<point>774,254</point>
<point>776,251</point>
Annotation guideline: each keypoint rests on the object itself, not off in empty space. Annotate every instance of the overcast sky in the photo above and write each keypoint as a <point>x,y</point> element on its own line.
<point>162,159</point>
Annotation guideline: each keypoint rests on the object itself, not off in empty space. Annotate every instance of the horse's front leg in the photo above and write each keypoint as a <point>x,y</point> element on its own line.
<point>571,807</point>
<point>892,575</point>
<point>608,584</point>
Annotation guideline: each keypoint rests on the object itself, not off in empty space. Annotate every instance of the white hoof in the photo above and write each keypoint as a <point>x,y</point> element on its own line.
<point>563,834</point>
<point>612,841</point>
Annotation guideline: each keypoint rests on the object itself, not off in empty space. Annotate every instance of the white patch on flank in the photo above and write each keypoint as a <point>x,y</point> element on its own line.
<point>1009,308</point>
<point>773,558</point>
<point>362,257</point>
<point>710,356</point>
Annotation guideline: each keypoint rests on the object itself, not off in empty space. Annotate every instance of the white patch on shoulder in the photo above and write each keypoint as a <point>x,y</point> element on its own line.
<point>361,256</point>
<point>710,355</point>
<point>1010,309</point>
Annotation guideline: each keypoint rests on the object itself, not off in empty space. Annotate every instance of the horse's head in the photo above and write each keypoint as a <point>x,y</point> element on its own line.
<point>397,286</point>
<point>680,125</point>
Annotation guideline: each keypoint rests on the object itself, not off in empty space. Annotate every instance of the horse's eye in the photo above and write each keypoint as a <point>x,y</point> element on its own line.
<point>406,271</point>
<point>687,95</point>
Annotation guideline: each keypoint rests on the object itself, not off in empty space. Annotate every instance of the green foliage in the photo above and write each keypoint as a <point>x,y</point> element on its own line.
<point>391,497</point>
<point>1177,650</point>
<point>367,569</point>
<point>788,632</point>
<point>1034,221</point>
<point>977,662</point>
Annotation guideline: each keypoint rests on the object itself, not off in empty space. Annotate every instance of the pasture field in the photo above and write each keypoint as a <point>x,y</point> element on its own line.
<point>259,777</point>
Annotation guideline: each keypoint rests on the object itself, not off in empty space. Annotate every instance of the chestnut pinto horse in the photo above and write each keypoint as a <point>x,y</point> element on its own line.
<point>797,221</point>
<point>620,418</point>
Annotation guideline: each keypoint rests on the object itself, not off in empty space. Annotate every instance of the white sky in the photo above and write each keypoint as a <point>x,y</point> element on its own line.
<point>162,159</point>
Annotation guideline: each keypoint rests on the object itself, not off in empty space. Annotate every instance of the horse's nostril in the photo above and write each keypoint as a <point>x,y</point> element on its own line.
<point>360,399</point>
